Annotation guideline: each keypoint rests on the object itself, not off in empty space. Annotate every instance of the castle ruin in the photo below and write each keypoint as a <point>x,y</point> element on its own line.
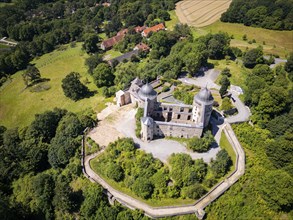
<point>168,119</point>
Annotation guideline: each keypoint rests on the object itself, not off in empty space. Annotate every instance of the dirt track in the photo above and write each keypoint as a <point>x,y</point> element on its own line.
<point>200,13</point>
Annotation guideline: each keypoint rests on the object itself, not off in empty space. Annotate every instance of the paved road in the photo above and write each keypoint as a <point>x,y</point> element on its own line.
<point>203,81</point>
<point>243,111</point>
<point>209,80</point>
<point>157,212</point>
<point>3,40</point>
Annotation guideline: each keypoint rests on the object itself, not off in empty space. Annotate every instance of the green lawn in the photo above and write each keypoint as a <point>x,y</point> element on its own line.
<point>276,42</point>
<point>103,36</point>
<point>110,54</point>
<point>2,4</point>
<point>225,144</point>
<point>4,46</point>
<point>174,20</point>
<point>18,106</point>
<point>152,202</point>
<point>238,71</point>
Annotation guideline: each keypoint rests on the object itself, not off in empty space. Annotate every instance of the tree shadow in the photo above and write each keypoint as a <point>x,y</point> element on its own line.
<point>37,81</point>
<point>89,94</point>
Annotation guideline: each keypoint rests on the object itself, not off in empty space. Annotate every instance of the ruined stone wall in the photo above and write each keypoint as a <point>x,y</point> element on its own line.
<point>176,130</point>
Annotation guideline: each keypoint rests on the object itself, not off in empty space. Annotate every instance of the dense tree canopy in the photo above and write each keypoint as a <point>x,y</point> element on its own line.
<point>253,57</point>
<point>272,14</point>
<point>73,88</point>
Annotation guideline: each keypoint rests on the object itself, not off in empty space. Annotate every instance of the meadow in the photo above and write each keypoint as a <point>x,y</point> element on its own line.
<point>273,42</point>
<point>18,105</point>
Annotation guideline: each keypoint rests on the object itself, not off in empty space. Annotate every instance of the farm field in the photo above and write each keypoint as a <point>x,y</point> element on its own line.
<point>204,17</point>
<point>200,13</point>
<point>18,106</point>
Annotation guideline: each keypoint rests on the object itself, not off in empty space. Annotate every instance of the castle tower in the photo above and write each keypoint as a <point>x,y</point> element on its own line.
<point>147,128</point>
<point>149,95</point>
<point>203,101</point>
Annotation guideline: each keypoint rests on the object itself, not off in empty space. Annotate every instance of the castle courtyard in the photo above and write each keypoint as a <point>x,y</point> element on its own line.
<point>120,122</point>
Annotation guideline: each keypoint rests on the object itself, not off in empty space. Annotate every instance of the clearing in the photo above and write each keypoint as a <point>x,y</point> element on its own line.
<point>18,106</point>
<point>200,13</point>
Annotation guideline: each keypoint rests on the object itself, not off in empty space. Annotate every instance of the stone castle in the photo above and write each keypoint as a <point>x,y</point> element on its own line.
<point>168,119</point>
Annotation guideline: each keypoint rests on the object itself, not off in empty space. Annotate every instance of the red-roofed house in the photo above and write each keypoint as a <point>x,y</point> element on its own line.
<point>109,43</point>
<point>155,28</point>
<point>139,29</point>
<point>122,32</point>
<point>142,47</point>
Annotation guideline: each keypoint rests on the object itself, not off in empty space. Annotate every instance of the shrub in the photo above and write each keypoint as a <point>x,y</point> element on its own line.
<point>193,192</point>
<point>143,187</point>
<point>115,172</point>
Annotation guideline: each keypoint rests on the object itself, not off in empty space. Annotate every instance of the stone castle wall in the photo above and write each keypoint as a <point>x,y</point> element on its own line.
<point>161,129</point>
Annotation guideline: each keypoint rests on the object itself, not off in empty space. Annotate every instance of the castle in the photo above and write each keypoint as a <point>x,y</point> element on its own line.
<point>166,119</point>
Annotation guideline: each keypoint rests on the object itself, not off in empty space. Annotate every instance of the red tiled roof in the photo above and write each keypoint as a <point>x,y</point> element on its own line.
<point>112,41</point>
<point>122,32</point>
<point>155,28</point>
<point>139,28</point>
<point>142,46</point>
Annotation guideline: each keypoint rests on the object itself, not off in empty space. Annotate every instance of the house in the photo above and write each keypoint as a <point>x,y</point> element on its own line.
<point>106,4</point>
<point>155,28</point>
<point>109,43</point>
<point>142,47</point>
<point>139,29</point>
<point>123,32</point>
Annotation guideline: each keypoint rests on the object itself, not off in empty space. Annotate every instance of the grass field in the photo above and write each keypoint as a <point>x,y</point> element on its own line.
<point>238,72</point>
<point>199,13</point>
<point>224,143</point>
<point>174,20</point>
<point>110,54</point>
<point>18,106</point>
<point>152,202</point>
<point>2,4</point>
<point>276,42</point>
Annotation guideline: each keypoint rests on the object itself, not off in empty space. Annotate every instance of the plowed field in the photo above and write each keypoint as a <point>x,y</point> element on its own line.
<point>200,13</point>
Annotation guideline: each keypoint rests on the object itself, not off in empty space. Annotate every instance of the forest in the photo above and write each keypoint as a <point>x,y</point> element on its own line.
<point>273,14</point>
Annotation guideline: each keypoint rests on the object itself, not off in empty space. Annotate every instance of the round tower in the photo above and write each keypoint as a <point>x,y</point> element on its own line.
<point>204,100</point>
<point>147,93</point>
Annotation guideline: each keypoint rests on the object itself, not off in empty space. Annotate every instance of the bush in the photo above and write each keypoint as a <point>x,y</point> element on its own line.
<point>222,164</point>
<point>226,72</point>
<point>138,115</point>
<point>143,187</point>
<point>201,144</point>
<point>226,104</point>
<point>193,192</point>
<point>115,172</point>
<point>165,89</point>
